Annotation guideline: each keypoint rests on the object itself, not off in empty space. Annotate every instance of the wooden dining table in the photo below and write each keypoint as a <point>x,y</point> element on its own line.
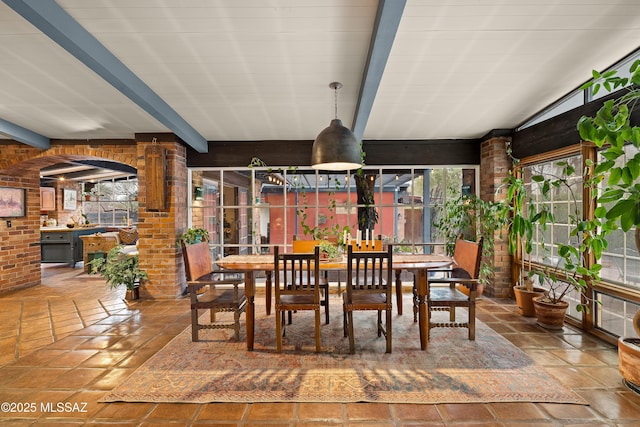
<point>420,264</point>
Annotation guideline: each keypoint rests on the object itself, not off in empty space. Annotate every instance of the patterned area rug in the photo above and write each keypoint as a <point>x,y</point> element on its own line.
<point>452,369</point>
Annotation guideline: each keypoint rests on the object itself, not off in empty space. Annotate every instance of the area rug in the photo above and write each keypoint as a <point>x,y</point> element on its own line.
<point>451,370</point>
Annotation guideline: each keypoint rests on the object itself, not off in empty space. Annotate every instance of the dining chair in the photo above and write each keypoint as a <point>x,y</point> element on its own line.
<point>463,272</point>
<point>368,287</point>
<point>296,275</point>
<point>221,293</point>
<point>308,246</point>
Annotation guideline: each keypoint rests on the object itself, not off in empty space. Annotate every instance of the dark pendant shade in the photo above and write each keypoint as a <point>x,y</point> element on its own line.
<point>336,148</point>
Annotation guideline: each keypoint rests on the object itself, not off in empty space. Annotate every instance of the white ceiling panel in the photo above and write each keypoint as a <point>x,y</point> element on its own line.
<point>260,69</point>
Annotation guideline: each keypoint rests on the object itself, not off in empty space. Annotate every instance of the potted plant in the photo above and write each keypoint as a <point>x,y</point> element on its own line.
<point>472,217</point>
<point>328,250</point>
<point>120,269</point>
<point>565,270</point>
<point>611,129</point>
<point>195,235</point>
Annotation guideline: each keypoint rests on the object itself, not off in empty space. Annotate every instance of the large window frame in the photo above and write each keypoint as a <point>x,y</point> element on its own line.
<point>611,318</point>
<point>266,194</point>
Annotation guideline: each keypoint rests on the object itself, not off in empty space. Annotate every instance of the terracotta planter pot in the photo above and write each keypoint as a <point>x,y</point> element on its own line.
<point>524,299</point>
<point>629,362</point>
<point>132,294</point>
<point>550,316</point>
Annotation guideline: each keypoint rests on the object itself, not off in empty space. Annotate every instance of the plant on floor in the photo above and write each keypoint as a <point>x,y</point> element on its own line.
<point>565,271</point>
<point>118,269</point>
<point>472,217</point>
<point>610,130</point>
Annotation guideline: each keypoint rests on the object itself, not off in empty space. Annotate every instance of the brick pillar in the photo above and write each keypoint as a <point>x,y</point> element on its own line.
<point>494,166</point>
<point>159,230</point>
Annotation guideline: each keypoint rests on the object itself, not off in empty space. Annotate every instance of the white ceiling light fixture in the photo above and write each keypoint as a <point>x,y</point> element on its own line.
<point>336,147</point>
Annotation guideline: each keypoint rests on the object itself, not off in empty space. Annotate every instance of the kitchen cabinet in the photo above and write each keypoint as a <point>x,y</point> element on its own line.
<point>61,244</point>
<point>47,199</point>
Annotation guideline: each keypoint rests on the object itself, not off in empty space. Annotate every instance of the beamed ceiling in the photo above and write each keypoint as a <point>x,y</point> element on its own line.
<point>259,70</point>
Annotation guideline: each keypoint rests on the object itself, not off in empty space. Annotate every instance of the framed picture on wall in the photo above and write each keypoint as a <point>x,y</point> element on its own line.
<point>69,203</point>
<point>13,202</point>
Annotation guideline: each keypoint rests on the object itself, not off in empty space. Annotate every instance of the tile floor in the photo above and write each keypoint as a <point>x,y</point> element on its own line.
<point>70,340</point>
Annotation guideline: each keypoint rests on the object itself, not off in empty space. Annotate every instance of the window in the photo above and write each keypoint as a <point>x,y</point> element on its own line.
<point>261,207</point>
<point>111,203</point>
<point>563,201</point>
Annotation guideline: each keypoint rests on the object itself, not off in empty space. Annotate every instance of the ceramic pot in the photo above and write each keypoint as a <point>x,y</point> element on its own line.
<point>629,362</point>
<point>524,299</point>
<point>550,316</point>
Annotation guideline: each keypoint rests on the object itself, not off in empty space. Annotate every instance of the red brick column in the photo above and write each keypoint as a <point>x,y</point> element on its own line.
<point>494,166</point>
<point>159,254</point>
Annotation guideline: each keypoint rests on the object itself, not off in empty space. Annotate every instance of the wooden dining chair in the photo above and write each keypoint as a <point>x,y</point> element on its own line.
<point>368,287</point>
<point>308,246</point>
<point>296,276</point>
<point>222,294</point>
<point>464,272</point>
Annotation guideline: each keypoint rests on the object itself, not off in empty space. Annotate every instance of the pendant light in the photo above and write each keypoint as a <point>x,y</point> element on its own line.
<point>336,147</point>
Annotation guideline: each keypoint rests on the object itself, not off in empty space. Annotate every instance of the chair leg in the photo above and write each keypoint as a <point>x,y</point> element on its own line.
<point>352,344</point>
<point>472,320</point>
<point>318,341</point>
<point>415,300</point>
<point>344,322</point>
<point>389,330</point>
<point>279,322</point>
<point>452,313</point>
<point>284,330</point>
<point>326,304</point>
<point>236,324</point>
<point>379,323</point>
<point>194,324</point>
<point>212,315</point>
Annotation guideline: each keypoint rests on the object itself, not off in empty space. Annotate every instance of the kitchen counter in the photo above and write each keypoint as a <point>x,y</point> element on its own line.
<point>65,228</point>
<point>63,244</point>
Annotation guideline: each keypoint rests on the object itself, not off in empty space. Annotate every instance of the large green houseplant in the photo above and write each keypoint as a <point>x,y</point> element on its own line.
<point>613,131</point>
<point>563,271</point>
<point>471,217</point>
<point>610,130</point>
<point>119,269</point>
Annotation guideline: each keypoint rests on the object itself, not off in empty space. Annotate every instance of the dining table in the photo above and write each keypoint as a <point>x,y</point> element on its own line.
<point>419,264</point>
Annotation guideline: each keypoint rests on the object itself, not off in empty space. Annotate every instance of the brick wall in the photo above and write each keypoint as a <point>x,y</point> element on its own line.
<point>20,245</point>
<point>494,166</point>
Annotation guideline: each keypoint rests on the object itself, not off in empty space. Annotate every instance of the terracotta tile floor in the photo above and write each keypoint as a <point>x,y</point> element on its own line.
<point>70,340</point>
